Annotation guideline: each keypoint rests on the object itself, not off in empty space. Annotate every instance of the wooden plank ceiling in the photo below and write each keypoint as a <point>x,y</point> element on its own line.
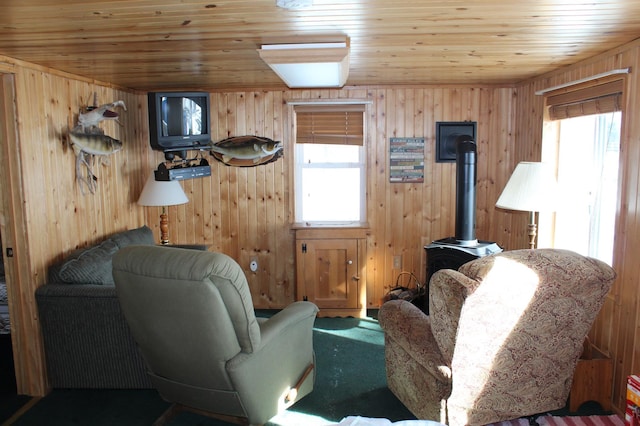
<point>212,45</point>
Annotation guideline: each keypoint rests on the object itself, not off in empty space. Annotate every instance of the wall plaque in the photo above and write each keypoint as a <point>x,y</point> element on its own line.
<point>406,160</point>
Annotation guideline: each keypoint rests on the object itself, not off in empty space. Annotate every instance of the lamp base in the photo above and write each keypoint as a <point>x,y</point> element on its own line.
<point>532,228</point>
<point>164,228</point>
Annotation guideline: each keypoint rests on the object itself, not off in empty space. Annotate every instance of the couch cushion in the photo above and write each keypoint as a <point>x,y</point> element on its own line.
<point>90,266</point>
<point>93,265</point>
<point>138,236</point>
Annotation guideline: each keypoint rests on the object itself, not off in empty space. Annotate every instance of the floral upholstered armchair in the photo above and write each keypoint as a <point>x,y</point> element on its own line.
<point>502,339</point>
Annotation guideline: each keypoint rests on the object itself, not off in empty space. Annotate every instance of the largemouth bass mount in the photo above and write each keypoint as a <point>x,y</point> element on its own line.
<point>246,151</point>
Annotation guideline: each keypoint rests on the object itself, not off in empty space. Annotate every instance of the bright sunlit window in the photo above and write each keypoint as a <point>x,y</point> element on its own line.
<point>329,182</point>
<point>582,138</point>
<point>588,178</point>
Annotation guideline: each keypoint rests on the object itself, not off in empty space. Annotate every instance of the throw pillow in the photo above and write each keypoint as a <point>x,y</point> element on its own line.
<point>138,236</point>
<point>91,266</point>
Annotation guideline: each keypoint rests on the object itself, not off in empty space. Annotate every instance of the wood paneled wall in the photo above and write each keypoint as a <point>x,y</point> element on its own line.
<point>50,217</point>
<point>617,329</point>
<point>246,212</point>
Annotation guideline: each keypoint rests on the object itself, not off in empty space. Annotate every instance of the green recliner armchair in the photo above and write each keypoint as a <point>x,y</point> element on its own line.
<point>192,317</point>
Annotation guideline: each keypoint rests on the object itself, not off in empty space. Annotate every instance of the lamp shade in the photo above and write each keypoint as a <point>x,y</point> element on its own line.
<point>162,193</point>
<point>532,188</point>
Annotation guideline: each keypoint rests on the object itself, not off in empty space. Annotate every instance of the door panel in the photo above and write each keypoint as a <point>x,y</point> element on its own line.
<point>329,270</point>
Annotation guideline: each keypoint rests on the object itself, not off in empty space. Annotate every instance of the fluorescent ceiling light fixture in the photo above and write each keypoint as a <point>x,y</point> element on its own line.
<point>308,64</point>
<point>294,4</point>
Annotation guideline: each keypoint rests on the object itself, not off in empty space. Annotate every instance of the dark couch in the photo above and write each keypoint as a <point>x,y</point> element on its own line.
<point>86,338</point>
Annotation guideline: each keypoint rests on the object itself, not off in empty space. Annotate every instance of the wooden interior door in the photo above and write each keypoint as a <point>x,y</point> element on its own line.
<point>330,272</point>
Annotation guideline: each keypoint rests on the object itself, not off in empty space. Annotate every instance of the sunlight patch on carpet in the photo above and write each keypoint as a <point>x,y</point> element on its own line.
<point>365,332</point>
<point>292,418</point>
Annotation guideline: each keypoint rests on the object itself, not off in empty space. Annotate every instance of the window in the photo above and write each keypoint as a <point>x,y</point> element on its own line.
<point>329,160</point>
<point>586,148</point>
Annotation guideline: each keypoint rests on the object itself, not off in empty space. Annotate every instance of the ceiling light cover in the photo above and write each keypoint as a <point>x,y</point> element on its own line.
<point>309,64</point>
<point>294,4</point>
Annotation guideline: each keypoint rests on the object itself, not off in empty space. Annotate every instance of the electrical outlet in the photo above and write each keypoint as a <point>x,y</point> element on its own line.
<point>253,265</point>
<point>397,262</point>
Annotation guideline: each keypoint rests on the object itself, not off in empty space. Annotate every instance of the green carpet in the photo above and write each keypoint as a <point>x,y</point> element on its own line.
<point>350,380</point>
<point>351,376</point>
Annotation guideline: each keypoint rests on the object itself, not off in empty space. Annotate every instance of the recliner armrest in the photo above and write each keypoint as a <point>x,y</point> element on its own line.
<point>448,289</point>
<point>407,326</point>
<point>290,315</point>
<point>282,334</point>
<point>284,354</point>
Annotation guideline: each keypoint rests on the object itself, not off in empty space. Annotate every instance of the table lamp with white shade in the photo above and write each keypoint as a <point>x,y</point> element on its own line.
<point>162,193</point>
<point>531,188</point>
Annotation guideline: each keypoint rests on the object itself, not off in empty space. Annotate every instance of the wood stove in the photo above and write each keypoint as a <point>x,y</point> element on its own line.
<point>453,252</point>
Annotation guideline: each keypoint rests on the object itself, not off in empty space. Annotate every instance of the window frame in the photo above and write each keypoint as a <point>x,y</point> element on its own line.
<point>295,171</point>
<point>592,97</point>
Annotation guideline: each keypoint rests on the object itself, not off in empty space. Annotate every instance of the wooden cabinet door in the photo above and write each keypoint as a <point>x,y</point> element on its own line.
<point>328,273</point>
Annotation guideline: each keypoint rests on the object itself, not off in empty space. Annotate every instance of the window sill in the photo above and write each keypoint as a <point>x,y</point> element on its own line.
<point>356,230</point>
<point>330,225</point>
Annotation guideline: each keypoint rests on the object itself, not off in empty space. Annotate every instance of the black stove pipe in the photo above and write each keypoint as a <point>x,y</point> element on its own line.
<point>466,191</point>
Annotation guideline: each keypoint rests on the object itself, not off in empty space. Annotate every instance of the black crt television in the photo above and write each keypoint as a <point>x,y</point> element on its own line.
<point>179,121</point>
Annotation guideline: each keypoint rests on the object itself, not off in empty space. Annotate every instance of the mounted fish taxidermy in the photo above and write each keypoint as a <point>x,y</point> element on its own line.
<point>88,146</point>
<point>246,151</point>
<point>94,115</point>
<point>89,141</point>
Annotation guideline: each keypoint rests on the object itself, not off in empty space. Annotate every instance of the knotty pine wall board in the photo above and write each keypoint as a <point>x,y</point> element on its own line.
<point>246,212</point>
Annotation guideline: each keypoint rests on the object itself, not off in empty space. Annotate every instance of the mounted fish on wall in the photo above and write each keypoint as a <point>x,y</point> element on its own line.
<point>89,141</point>
<point>246,151</point>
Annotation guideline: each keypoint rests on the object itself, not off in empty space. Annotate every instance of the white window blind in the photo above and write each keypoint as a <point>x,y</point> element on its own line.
<point>585,100</point>
<point>330,124</point>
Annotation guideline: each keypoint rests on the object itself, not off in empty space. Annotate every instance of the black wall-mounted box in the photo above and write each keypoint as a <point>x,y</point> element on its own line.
<point>447,132</point>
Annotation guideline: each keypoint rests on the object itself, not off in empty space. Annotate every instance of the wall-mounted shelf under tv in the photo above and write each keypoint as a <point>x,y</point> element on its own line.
<point>182,172</point>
